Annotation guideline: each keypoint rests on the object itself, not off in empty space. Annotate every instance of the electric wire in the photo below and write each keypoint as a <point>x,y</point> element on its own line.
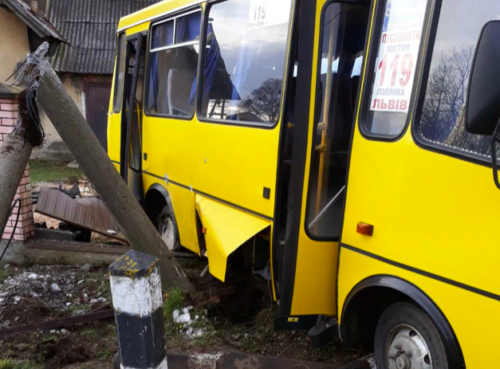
<point>18,202</point>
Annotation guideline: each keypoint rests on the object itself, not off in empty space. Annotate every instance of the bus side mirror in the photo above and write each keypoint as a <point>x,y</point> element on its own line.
<point>482,115</point>
<point>483,100</point>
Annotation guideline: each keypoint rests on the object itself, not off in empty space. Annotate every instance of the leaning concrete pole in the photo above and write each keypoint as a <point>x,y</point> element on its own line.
<point>90,155</point>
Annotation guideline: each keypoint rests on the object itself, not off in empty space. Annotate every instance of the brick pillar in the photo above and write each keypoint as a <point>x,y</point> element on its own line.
<point>26,225</point>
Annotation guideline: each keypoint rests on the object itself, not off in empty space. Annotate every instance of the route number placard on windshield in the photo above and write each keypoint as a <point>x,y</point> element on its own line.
<point>398,55</point>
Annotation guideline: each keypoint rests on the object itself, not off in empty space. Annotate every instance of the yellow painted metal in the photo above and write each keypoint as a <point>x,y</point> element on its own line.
<point>315,287</point>
<point>144,26</point>
<point>185,216</point>
<point>156,11</point>
<point>431,212</point>
<point>226,229</point>
<point>233,163</point>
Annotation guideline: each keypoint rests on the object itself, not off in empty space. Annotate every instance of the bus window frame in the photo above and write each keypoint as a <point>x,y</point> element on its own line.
<point>417,113</point>
<point>313,146</point>
<point>117,72</point>
<point>286,75</point>
<point>369,74</point>
<point>171,16</point>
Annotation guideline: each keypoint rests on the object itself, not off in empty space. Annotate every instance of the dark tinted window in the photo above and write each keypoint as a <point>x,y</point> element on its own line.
<point>163,35</point>
<point>395,67</point>
<point>245,60</point>
<point>442,119</point>
<point>344,30</point>
<point>173,67</point>
<point>120,73</point>
<point>187,28</point>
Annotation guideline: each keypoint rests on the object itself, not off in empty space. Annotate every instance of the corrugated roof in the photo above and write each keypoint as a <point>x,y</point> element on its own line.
<point>39,25</point>
<point>90,27</point>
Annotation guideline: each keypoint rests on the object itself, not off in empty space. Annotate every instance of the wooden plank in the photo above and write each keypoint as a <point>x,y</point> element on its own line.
<point>89,214</point>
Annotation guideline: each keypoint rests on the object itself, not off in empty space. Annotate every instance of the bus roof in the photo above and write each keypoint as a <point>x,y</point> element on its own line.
<point>155,11</point>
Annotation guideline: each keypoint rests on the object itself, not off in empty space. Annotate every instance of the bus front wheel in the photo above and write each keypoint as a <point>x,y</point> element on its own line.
<point>406,338</point>
<point>167,228</point>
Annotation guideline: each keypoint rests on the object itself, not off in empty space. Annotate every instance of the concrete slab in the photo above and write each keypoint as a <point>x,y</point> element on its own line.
<point>15,254</point>
<point>72,253</point>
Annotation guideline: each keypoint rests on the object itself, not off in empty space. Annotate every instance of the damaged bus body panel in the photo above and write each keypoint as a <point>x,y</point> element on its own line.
<point>225,229</point>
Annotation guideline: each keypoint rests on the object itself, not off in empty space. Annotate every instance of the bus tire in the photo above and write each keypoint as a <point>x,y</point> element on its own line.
<point>406,338</point>
<point>167,228</point>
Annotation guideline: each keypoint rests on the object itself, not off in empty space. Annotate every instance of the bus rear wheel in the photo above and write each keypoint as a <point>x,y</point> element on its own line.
<point>406,338</point>
<point>167,228</point>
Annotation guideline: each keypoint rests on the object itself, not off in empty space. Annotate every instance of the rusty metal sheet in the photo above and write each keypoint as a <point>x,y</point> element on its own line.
<point>99,213</point>
<point>87,213</point>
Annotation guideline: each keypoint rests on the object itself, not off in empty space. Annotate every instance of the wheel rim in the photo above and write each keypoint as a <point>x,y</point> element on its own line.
<point>168,233</point>
<point>406,349</point>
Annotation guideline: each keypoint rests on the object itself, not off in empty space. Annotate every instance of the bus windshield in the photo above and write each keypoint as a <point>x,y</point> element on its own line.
<point>244,60</point>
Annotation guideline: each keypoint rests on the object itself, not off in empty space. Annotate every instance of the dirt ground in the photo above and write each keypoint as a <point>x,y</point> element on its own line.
<point>32,294</point>
<point>211,321</point>
<point>237,322</point>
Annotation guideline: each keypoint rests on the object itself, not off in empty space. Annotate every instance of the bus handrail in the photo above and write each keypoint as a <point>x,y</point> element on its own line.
<point>322,212</point>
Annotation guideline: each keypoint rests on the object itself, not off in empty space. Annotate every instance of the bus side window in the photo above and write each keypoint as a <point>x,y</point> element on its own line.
<point>120,73</point>
<point>173,66</point>
<point>344,30</point>
<point>244,61</point>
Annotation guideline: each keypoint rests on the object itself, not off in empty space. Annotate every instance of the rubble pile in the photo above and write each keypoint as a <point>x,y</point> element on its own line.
<point>192,325</point>
<point>52,291</point>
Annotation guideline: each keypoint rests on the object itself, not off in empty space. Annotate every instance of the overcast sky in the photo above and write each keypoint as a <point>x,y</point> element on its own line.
<point>461,21</point>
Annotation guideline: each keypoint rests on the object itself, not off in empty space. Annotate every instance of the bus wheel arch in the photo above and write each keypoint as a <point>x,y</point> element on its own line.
<point>159,208</point>
<point>360,316</point>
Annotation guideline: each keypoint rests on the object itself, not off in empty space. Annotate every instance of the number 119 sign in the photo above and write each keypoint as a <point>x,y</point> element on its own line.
<point>398,55</point>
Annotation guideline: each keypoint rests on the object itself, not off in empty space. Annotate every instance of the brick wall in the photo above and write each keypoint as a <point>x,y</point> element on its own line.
<point>26,226</point>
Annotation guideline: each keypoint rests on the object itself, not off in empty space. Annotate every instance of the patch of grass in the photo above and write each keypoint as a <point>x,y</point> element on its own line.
<point>78,308</point>
<point>92,334</point>
<point>11,364</point>
<point>50,171</point>
<point>104,354</point>
<point>174,300</point>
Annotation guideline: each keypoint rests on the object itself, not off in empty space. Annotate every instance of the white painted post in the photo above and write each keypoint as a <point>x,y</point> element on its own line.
<point>138,304</point>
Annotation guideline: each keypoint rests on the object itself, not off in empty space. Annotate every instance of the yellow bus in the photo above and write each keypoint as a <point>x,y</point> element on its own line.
<point>321,147</point>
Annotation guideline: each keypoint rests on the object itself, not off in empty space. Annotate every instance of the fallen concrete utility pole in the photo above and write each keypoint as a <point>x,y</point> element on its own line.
<point>90,155</point>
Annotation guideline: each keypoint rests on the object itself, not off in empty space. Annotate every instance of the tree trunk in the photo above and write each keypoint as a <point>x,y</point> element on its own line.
<point>113,191</point>
<point>15,152</point>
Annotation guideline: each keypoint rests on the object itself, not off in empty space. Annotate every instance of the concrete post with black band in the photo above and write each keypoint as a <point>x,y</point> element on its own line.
<point>138,304</point>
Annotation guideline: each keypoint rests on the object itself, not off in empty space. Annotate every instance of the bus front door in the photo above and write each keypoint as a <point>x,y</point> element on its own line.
<point>131,137</point>
<point>322,135</point>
